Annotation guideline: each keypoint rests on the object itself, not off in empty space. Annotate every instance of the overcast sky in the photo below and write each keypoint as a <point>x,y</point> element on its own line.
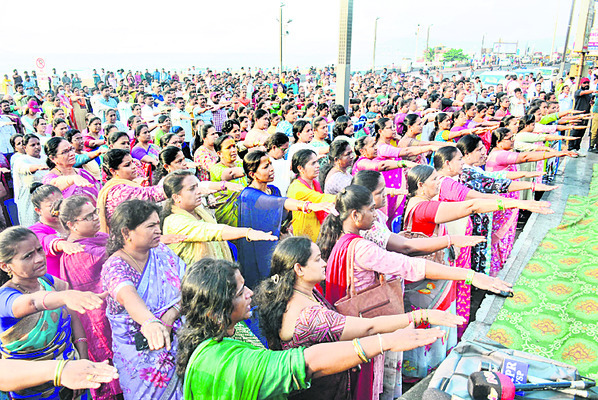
<point>71,34</point>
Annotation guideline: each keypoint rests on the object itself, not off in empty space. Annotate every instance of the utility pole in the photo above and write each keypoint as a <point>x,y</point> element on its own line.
<point>428,37</point>
<point>556,22</point>
<point>343,66</point>
<point>374,55</point>
<point>281,6</point>
<point>562,67</point>
<point>416,42</point>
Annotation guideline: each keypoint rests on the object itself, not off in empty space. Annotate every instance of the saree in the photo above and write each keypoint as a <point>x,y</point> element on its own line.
<point>336,288</point>
<point>82,272</point>
<point>235,370</point>
<point>103,198</point>
<point>227,210</point>
<point>45,335</point>
<point>394,179</point>
<point>504,223</point>
<point>204,237</point>
<point>485,182</point>
<point>260,211</point>
<point>428,294</point>
<point>451,190</point>
<point>144,374</point>
<point>74,190</point>
<point>321,324</point>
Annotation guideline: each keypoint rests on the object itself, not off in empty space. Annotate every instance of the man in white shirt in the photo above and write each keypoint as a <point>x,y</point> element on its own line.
<point>148,111</point>
<point>182,118</point>
<point>517,107</point>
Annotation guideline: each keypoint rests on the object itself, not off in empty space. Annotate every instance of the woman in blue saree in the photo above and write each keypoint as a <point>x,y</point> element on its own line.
<point>261,207</point>
<point>37,321</point>
<point>143,278</point>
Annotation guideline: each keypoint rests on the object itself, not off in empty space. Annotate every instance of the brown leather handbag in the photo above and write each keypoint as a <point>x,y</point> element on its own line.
<point>385,297</point>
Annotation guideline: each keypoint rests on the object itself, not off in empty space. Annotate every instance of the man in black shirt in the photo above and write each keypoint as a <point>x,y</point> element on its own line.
<point>583,102</point>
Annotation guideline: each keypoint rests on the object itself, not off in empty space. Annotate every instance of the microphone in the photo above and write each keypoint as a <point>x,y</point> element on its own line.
<point>488,384</point>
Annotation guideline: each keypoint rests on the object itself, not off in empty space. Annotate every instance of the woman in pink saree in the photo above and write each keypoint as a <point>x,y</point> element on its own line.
<point>82,272</point>
<point>394,178</point>
<point>504,222</point>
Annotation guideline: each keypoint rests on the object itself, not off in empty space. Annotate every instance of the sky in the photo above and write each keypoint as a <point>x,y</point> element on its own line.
<point>175,34</point>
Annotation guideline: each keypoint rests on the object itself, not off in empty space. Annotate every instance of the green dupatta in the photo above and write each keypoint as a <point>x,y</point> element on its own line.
<point>237,371</point>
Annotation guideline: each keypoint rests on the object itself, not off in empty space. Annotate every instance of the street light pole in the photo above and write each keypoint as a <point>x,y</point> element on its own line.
<point>374,55</point>
<point>562,67</point>
<point>343,68</point>
<point>428,37</point>
<point>281,6</point>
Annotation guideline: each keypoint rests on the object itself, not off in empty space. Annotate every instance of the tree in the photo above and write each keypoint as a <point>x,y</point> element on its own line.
<point>429,54</point>
<point>455,55</point>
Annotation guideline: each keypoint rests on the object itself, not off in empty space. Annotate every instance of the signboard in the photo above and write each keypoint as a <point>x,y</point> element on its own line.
<point>504,48</point>
<point>584,26</point>
<point>593,37</point>
<point>40,63</point>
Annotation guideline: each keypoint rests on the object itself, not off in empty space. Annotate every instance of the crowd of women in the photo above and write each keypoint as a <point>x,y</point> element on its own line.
<point>140,246</point>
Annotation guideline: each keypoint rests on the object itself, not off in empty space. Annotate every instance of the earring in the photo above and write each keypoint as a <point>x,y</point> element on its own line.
<point>9,273</point>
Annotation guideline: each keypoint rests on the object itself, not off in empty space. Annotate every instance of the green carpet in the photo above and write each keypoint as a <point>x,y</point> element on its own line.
<point>554,312</point>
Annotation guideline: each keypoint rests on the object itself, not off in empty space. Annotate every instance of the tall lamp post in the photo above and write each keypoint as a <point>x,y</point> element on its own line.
<point>374,55</point>
<point>343,66</point>
<point>428,37</point>
<point>283,32</point>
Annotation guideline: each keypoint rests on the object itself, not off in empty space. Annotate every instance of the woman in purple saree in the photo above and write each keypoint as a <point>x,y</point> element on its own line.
<point>143,278</point>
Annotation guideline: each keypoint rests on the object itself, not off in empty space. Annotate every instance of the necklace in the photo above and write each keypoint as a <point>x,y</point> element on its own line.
<point>312,298</point>
<point>135,261</point>
<point>26,291</point>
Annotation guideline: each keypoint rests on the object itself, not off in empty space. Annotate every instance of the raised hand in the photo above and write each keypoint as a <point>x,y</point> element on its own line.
<point>409,339</point>
<point>466,241</point>
<point>80,301</point>
<point>85,374</point>
<point>172,238</point>
<point>80,181</point>
<point>254,234</point>
<point>444,318</point>
<point>495,285</point>
<point>327,207</point>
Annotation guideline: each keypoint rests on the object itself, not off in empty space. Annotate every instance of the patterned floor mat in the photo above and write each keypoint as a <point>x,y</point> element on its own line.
<point>554,312</point>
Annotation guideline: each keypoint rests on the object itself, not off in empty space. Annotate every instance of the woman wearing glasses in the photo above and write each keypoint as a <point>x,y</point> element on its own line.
<point>80,219</point>
<point>70,180</point>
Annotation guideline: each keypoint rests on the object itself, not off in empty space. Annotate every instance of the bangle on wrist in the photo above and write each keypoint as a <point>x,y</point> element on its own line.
<point>247,234</point>
<point>58,372</point>
<point>469,278</point>
<point>449,241</point>
<point>410,317</point>
<point>223,186</point>
<point>151,320</point>
<point>380,343</point>
<point>359,350</point>
<point>533,186</point>
<point>45,307</point>
<point>500,204</point>
<point>80,340</point>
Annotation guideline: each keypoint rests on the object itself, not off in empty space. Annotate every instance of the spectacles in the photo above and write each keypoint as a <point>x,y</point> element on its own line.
<point>90,217</point>
<point>67,151</point>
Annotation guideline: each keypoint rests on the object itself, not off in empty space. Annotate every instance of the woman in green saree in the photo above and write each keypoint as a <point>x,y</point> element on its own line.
<point>213,299</point>
<point>230,169</point>
<point>36,318</point>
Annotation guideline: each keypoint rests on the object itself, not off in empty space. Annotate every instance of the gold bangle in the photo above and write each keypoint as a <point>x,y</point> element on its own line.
<point>501,206</point>
<point>247,234</point>
<point>359,350</point>
<point>58,372</point>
